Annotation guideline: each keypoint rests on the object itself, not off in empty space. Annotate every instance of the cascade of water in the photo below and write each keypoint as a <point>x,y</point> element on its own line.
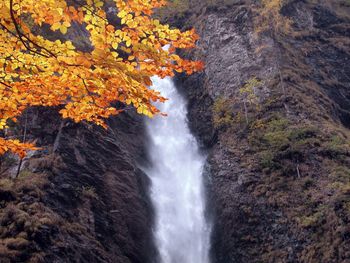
<point>181,231</point>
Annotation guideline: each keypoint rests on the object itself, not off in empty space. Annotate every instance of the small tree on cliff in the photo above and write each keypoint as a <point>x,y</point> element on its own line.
<point>248,97</point>
<point>270,20</point>
<point>44,69</point>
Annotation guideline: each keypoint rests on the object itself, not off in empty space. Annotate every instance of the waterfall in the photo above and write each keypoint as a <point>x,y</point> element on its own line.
<point>181,232</point>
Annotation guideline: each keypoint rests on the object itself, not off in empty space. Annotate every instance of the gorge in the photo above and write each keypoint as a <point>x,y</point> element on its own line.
<point>243,181</point>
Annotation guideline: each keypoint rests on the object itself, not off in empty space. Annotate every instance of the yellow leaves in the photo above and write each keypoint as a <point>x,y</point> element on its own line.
<point>162,35</point>
<point>16,7</point>
<point>63,27</point>
<point>128,101</point>
<point>156,23</point>
<point>114,54</point>
<point>131,23</point>
<point>126,19</point>
<point>60,11</point>
<point>143,110</point>
<point>56,26</point>
<point>3,124</point>
<point>88,17</point>
<point>173,37</point>
<point>122,14</point>
<point>118,67</point>
<point>98,4</point>
<point>115,45</point>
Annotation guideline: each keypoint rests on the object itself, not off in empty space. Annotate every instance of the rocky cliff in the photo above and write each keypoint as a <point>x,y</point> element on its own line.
<point>273,114</point>
<point>81,198</point>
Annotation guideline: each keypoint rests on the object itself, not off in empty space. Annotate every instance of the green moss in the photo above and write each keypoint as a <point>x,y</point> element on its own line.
<point>340,174</point>
<point>276,139</point>
<point>336,143</point>
<point>25,173</point>
<point>303,133</point>
<point>267,160</point>
<point>340,179</point>
<point>315,219</point>
<point>307,183</point>
<point>89,192</point>
<point>335,147</point>
<point>270,133</point>
<point>278,123</point>
<point>340,189</point>
<point>220,3</point>
<point>269,139</point>
<point>173,8</point>
<point>222,113</point>
<point>6,184</point>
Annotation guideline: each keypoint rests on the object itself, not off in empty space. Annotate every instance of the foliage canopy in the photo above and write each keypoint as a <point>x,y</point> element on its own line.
<point>40,66</point>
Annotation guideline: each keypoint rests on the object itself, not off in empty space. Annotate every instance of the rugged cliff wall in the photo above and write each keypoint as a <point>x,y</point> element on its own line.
<point>81,198</point>
<point>279,158</point>
<point>279,176</point>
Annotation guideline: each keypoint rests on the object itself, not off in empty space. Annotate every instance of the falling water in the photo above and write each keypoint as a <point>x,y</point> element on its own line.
<point>181,231</point>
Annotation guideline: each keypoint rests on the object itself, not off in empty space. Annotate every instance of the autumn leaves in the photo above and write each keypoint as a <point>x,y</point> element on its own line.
<point>37,69</point>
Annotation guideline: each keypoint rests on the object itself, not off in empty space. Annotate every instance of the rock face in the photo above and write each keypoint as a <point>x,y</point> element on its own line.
<point>81,198</point>
<point>278,153</point>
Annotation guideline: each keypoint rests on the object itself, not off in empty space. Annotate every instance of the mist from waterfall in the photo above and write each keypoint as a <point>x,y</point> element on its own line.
<point>181,231</point>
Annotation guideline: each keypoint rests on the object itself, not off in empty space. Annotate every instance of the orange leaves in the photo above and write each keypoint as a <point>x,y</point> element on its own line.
<point>117,66</point>
<point>16,147</point>
<point>189,66</point>
<point>75,14</point>
<point>82,60</point>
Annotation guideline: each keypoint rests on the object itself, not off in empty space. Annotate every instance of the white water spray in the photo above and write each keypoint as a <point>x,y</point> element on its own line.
<point>181,231</point>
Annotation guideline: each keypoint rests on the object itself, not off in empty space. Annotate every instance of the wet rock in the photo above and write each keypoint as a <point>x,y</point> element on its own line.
<point>271,204</point>
<point>83,174</point>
